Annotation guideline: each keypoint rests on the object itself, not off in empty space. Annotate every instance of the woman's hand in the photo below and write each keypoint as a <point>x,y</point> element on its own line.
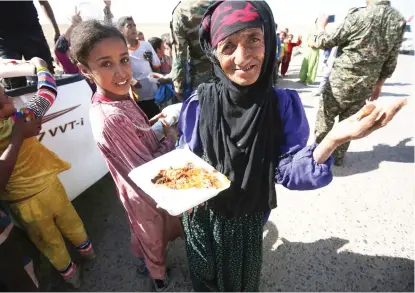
<point>367,120</point>
<point>360,125</point>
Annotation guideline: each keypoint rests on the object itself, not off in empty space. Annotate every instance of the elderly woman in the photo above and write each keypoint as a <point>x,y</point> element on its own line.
<point>256,135</point>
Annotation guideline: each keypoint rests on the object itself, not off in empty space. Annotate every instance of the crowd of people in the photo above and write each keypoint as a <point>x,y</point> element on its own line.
<point>232,116</point>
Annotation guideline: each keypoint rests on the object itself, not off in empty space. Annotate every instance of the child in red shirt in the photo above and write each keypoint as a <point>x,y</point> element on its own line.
<point>287,52</point>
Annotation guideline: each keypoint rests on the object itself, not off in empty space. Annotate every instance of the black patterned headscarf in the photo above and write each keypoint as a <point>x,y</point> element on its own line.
<point>240,127</point>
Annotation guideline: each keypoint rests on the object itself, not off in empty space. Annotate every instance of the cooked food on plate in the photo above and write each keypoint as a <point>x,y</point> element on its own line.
<point>188,177</point>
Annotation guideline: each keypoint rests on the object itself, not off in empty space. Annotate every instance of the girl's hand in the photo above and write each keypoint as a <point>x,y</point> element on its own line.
<point>363,123</point>
<point>170,132</point>
<point>25,129</point>
<point>156,118</point>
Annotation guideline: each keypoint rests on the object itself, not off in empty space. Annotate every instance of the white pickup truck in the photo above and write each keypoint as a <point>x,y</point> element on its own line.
<point>67,132</point>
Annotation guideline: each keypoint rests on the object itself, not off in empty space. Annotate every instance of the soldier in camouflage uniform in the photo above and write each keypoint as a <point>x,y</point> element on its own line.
<point>186,48</point>
<point>368,47</point>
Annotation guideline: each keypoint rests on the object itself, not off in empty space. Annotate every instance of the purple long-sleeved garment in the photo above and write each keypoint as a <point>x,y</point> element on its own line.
<point>296,169</point>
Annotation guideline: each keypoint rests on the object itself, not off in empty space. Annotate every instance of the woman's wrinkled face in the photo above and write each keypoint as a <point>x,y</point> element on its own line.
<point>241,56</point>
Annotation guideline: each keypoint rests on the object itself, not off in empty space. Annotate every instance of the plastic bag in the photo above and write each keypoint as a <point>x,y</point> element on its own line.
<point>165,93</point>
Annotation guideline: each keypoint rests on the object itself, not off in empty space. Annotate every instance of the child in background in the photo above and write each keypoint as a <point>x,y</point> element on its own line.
<point>126,140</point>
<point>160,48</point>
<point>63,44</point>
<point>34,192</point>
<point>62,47</point>
<point>288,51</point>
<point>309,66</point>
<point>168,52</point>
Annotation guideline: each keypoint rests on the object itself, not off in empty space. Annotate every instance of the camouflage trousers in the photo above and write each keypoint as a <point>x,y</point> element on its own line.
<point>331,107</point>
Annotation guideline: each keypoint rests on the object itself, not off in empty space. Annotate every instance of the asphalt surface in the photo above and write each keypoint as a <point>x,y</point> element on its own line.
<point>357,234</point>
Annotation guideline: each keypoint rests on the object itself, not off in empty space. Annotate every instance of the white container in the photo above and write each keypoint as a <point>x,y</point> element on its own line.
<point>9,68</point>
<point>175,202</point>
<point>172,113</point>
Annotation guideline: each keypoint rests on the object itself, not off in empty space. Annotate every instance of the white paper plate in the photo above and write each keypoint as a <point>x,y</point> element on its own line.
<point>175,202</point>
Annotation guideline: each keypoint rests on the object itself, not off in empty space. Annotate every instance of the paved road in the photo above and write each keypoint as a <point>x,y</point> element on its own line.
<point>355,235</point>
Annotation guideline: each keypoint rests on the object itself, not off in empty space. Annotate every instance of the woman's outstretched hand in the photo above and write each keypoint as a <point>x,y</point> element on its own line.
<point>367,120</point>
<point>363,123</point>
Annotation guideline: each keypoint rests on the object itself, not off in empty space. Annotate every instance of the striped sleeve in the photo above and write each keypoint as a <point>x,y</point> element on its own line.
<point>46,94</point>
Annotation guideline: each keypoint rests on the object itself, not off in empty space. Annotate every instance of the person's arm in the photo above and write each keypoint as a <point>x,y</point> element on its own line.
<point>62,43</point>
<point>49,13</point>
<point>47,90</point>
<point>298,43</point>
<point>188,125</point>
<point>62,56</point>
<point>180,47</point>
<point>75,20</point>
<point>304,167</point>
<point>297,169</point>
<point>108,16</point>
<point>339,37</point>
<point>390,64</point>
<point>155,61</point>
<point>126,145</point>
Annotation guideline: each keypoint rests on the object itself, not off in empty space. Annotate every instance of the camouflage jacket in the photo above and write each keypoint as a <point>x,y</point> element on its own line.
<point>368,47</point>
<point>186,20</point>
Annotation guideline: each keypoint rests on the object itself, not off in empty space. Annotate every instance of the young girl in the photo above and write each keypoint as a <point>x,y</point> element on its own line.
<point>288,51</point>
<point>34,192</point>
<point>126,140</point>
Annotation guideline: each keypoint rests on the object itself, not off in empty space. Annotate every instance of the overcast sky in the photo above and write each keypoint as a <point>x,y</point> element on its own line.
<point>289,12</point>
